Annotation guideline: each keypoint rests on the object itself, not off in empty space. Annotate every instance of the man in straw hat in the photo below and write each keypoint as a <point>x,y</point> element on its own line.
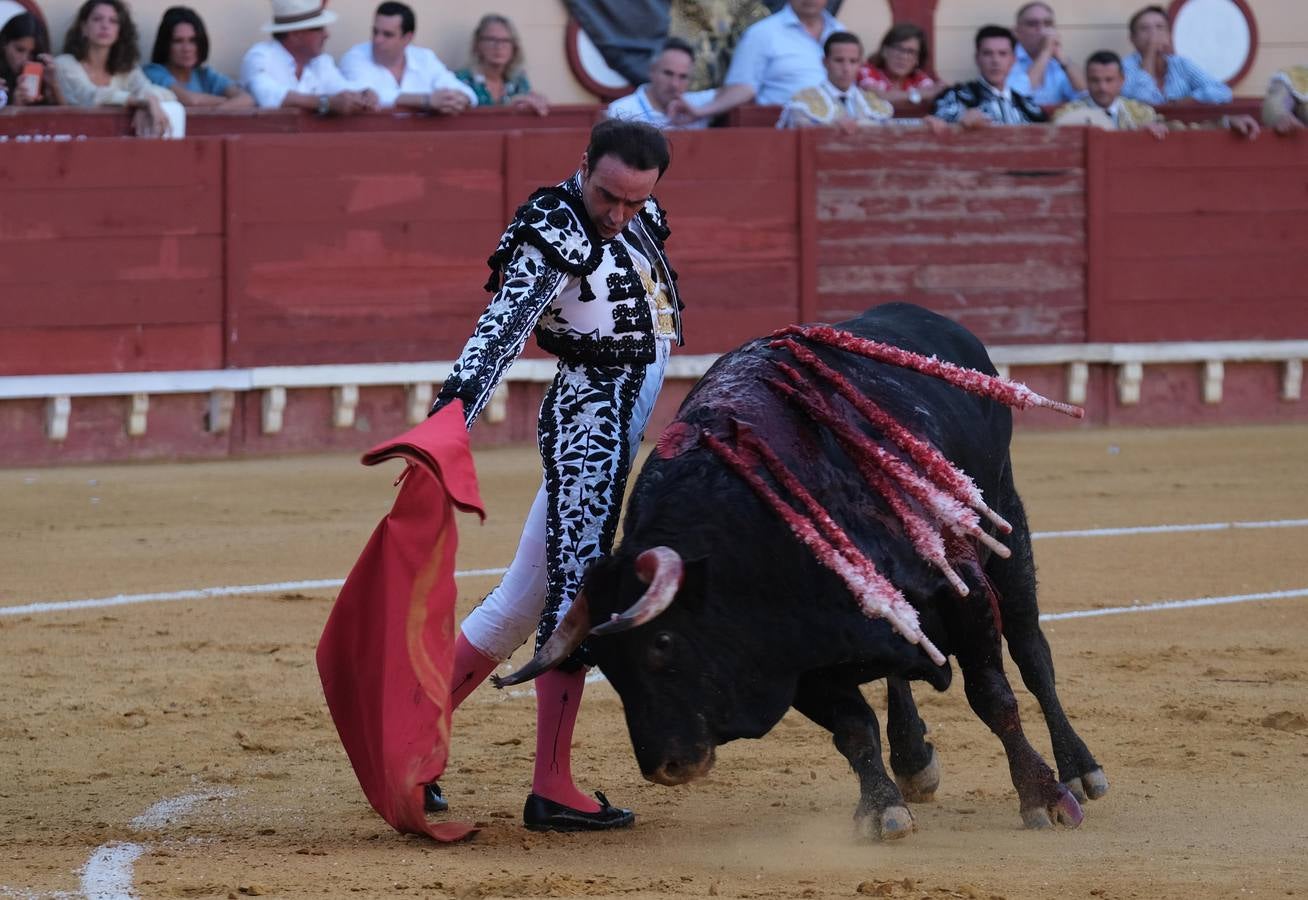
<point>292,71</point>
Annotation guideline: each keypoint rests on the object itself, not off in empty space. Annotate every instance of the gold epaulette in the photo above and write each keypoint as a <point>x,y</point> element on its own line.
<point>1296,78</point>
<point>816,102</point>
<point>1139,113</point>
<point>1072,106</point>
<point>880,106</point>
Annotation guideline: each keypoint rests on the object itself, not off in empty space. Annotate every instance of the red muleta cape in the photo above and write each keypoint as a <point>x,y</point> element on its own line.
<point>386,653</point>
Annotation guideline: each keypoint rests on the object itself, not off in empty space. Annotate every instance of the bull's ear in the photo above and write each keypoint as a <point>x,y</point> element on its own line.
<point>601,582</point>
<point>693,594</point>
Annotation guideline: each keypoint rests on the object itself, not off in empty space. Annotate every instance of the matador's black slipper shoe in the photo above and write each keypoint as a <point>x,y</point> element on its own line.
<point>540,814</point>
<point>433,801</point>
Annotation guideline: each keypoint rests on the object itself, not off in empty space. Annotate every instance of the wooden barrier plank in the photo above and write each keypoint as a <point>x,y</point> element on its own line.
<point>1207,189</point>
<point>1263,233</point>
<point>157,263</point>
<point>123,348</point>
<point>136,303</point>
<point>82,165</point>
<point>43,213</point>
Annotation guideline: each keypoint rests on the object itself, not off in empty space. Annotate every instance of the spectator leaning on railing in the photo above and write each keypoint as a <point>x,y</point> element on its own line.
<point>99,68</point>
<point>837,101</point>
<point>181,51</point>
<point>292,71</point>
<point>897,71</point>
<point>401,74</point>
<point>775,58</point>
<point>494,71</point>
<point>988,100</point>
<point>1156,74</point>
<point>669,75</point>
<point>1041,70</point>
<point>1285,109</point>
<point>1105,107</point>
<point>26,67</point>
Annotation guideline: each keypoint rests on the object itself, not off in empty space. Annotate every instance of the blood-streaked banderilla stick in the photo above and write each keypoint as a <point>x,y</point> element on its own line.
<point>876,596</point>
<point>932,461</point>
<point>872,459</point>
<point>1007,392</point>
<point>926,540</point>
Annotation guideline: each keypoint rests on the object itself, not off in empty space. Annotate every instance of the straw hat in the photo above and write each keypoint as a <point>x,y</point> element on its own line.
<point>299,15</point>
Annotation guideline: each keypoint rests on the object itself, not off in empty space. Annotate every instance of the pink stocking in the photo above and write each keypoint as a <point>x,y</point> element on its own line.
<point>558,696</point>
<point>471,667</point>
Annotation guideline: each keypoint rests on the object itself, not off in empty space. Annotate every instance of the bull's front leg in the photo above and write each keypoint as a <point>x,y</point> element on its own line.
<point>839,707</point>
<point>1043,799</point>
<point>912,758</point>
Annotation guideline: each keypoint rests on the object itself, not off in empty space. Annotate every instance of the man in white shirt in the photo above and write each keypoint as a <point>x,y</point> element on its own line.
<point>291,70</point>
<point>400,73</point>
<point>669,75</point>
<point>776,57</point>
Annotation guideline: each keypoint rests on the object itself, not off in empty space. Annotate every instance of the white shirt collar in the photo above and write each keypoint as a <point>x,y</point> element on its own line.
<point>1004,94</point>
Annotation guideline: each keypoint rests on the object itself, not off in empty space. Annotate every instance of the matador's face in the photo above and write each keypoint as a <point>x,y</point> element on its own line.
<point>614,192</point>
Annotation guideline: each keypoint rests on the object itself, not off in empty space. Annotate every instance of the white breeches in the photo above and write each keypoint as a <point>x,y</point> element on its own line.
<point>510,613</point>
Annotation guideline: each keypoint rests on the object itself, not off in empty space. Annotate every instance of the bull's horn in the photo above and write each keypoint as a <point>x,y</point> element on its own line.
<point>566,638</point>
<point>659,567</point>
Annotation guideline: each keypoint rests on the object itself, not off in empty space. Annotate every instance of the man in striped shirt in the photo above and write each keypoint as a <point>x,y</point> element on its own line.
<point>1156,74</point>
<point>988,100</point>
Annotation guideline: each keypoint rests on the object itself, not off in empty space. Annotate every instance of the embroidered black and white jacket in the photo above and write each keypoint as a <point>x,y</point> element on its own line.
<point>549,243</point>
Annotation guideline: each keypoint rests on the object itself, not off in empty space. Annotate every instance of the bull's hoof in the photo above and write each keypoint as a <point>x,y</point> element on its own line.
<point>1090,786</point>
<point>1065,811</point>
<point>893,823</point>
<point>896,822</point>
<point>920,787</point>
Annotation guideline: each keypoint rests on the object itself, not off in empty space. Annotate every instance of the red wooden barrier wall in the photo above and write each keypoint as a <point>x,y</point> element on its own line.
<point>111,256</point>
<point>344,248</point>
<point>987,228</point>
<point>1202,236</point>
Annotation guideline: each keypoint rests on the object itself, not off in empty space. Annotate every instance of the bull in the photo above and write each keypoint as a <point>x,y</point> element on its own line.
<point>724,607</point>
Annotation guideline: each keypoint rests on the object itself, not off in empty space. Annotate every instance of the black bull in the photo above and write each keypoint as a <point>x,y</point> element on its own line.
<point>755,625</point>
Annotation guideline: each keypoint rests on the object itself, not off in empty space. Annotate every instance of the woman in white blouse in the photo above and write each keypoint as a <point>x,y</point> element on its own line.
<point>99,67</point>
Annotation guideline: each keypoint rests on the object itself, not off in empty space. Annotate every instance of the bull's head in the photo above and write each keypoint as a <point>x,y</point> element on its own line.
<point>683,664</point>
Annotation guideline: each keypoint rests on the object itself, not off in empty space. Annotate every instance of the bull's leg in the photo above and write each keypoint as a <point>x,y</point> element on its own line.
<point>840,708</point>
<point>1043,799</point>
<point>1015,581</point>
<point>912,758</point>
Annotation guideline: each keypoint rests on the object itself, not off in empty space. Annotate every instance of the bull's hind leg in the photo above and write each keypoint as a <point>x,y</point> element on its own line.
<point>1015,581</point>
<point>1043,799</point>
<point>839,707</point>
<point>912,758</point>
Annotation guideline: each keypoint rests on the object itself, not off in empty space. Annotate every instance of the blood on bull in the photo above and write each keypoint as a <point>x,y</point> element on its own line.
<point>832,506</point>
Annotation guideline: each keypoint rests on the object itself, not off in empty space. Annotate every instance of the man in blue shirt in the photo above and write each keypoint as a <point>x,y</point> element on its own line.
<point>1156,74</point>
<point>776,57</point>
<point>1041,71</point>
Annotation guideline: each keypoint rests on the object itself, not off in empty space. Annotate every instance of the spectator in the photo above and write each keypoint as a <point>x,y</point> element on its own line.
<point>1285,108</point>
<point>24,43</point>
<point>897,71</point>
<point>989,100</point>
<point>669,75</point>
<point>495,71</point>
<point>181,49</point>
<point>99,68</point>
<point>776,58</point>
<point>292,71</point>
<point>1041,71</point>
<point>1155,74</point>
<point>837,101</point>
<point>1106,107</point>
<point>400,73</point>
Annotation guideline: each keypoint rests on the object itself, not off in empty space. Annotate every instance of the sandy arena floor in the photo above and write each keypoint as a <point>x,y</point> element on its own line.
<point>193,732</point>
